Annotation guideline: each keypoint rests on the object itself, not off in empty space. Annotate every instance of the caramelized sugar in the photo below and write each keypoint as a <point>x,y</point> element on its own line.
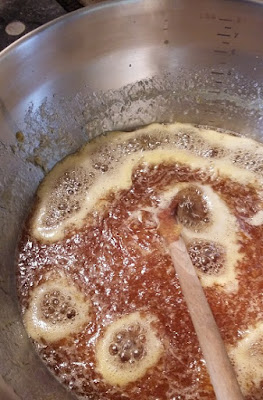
<point>121,264</point>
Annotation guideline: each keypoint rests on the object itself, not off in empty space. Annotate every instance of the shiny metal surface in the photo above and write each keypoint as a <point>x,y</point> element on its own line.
<point>116,65</point>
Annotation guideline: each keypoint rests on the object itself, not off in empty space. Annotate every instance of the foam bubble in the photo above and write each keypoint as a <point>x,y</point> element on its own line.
<point>221,232</point>
<point>192,209</point>
<point>128,348</point>
<point>106,164</point>
<point>247,357</point>
<point>207,256</point>
<point>56,310</point>
<point>257,219</point>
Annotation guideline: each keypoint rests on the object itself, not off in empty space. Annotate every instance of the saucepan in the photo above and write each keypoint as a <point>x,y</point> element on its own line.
<point>117,65</point>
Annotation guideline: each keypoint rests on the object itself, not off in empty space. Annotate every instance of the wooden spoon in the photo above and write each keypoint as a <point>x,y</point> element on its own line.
<point>221,372</point>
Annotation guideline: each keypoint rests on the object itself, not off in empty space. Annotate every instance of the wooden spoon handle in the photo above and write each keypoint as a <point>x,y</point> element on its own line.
<point>221,372</point>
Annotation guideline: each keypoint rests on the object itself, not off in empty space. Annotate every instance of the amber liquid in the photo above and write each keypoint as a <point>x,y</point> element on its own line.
<point>123,266</point>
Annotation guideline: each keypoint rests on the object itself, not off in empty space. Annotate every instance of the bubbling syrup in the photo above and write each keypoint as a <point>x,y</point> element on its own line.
<point>191,209</point>
<point>97,288</point>
<point>207,256</point>
<point>128,347</point>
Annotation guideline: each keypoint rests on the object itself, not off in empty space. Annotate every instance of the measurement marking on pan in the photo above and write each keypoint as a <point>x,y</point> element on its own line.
<point>225,19</point>
<point>225,49</point>
<point>226,34</point>
<point>220,51</point>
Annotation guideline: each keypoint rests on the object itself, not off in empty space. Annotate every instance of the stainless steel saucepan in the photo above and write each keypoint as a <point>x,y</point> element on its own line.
<point>117,65</point>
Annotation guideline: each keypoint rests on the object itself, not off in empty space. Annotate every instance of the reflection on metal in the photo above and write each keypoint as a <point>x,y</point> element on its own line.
<point>6,392</point>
